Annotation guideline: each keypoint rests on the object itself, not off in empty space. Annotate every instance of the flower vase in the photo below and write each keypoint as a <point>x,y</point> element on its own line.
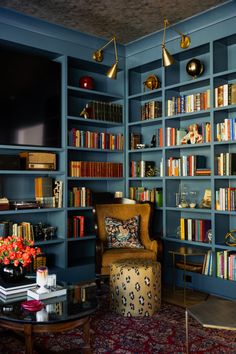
<point>12,274</point>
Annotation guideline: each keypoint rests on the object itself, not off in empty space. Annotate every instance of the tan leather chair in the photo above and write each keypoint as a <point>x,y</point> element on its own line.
<point>105,256</point>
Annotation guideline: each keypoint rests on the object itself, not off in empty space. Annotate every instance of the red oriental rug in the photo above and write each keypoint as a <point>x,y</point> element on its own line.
<point>111,333</point>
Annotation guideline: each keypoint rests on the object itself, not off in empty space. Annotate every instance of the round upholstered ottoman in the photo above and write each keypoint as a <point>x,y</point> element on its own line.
<point>135,287</point>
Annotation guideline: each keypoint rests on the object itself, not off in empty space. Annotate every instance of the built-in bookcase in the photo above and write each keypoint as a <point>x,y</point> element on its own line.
<point>98,146</point>
<point>176,120</point>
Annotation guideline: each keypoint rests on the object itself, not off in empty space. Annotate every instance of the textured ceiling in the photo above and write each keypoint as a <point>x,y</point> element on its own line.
<point>127,19</point>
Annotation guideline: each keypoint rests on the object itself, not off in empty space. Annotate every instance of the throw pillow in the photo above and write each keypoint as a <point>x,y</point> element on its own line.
<point>123,233</point>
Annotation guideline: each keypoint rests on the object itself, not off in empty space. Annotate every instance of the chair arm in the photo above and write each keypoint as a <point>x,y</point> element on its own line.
<point>155,246</point>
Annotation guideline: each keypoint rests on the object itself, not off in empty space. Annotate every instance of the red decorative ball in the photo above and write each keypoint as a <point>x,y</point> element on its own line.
<point>86,82</point>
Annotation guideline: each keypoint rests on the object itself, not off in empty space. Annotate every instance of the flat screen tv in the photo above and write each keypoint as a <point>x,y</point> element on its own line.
<point>30,99</point>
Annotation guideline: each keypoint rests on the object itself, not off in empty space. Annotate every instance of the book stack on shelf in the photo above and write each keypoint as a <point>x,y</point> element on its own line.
<point>10,292</point>
<point>106,111</point>
<point>189,103</point>
<point>135,140</point>
<point>142,168</point>
<point>96,169</point>
<point>226,164</point>
<point>4,204</point>
<point>226,199</point>
<point>207,264</point>
<point>76,226</point>
<point>151,110</point>
<point>80,197</point>
<point>185,165</point>
<point>48,192</point>
<point>225,95</point>
<point>95,140</point>
<point>143,194</point>
<point>174,136</point>
<point>226,130</point>
<point>226,264</point>
<point>194,229</point>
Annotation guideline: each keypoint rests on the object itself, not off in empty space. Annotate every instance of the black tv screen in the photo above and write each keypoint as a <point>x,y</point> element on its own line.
<point>30,99</point>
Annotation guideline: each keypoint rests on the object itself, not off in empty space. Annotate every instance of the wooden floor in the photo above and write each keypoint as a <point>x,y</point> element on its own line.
<point>177,297</point>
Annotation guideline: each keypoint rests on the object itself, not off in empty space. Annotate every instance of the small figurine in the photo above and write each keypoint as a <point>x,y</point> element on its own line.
<point>85,112</point>
<point>193,136</point>
<point>154,141</point>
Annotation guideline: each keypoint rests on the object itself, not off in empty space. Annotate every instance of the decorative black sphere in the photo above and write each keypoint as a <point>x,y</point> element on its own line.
<point>194,68</point>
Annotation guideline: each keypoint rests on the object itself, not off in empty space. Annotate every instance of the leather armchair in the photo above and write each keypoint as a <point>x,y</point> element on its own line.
<point>105,256</point>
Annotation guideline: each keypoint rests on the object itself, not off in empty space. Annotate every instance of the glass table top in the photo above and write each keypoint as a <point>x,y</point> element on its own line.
<point>79,301</point>
<point>215,313</point>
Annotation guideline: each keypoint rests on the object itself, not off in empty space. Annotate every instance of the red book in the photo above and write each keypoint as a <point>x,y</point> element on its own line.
<point>78,225</point>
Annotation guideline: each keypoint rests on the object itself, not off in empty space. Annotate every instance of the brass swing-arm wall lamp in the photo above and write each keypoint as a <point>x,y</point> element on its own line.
<point>98,56</point>
<point>167,58</point>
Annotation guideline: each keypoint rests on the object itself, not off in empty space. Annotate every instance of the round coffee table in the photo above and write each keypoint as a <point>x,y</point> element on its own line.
<point>59,314</point>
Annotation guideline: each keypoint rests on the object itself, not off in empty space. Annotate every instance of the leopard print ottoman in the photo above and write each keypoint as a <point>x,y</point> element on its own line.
<point>135,287</point>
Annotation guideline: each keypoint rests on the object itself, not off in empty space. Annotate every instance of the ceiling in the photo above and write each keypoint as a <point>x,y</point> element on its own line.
<point>127,19</point>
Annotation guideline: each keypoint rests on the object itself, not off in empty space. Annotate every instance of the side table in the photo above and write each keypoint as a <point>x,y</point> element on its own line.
<point>184,252</point>
<point>212,313</point>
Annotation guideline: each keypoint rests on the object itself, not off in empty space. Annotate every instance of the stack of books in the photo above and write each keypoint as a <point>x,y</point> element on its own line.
<point>10,292</point>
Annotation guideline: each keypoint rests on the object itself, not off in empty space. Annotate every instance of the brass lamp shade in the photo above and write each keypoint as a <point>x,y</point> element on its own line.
<point>112,72</point>
<point>167,58</point>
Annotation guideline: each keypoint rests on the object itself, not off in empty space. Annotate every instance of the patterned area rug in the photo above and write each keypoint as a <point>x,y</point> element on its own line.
<point>110,333</point>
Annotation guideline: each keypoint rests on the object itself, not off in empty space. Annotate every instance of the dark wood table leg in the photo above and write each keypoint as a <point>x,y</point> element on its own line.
<point>86,332</point>
<point>28,338</point>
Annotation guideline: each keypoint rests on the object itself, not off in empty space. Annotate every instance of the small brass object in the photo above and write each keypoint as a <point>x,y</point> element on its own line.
<point>230,238</point>
<point>152,82</point>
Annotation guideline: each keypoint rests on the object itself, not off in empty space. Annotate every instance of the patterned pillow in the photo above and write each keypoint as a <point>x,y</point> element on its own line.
<point>123,233</point>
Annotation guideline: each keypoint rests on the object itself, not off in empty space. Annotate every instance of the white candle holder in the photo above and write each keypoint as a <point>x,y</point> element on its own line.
<point>42,279</point>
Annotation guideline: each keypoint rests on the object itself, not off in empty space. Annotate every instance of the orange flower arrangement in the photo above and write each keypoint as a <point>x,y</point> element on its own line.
<point>17,251</point>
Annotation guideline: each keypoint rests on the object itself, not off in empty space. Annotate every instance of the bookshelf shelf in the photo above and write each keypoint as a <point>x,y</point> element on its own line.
<point>92,94</point>
<point>81,239</point>
<point>49,242</point>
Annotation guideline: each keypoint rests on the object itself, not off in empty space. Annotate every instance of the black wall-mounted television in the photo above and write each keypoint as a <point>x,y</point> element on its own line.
<point>30,98</point>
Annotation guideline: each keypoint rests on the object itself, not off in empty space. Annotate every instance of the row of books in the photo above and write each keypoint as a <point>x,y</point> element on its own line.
<point>48,192</point>
<point>142,168</point>
<point>226,199</point>
<point>207,263</point>
<point>225,95</point>
<point>174,136</point>
<point>151,110</point>
<point>226,264</point>
<point>143,194</point>
<point>23,229</point>
<point>79,197</point>
<point>226,130</point>
<point>194,229</point>
<point>76,226</point>
<point>185,165</point>
<point>226,164</point>
<point>188,103</point>
<point>95,140</point>
<point>106,111</point>
<point>95,169</point>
